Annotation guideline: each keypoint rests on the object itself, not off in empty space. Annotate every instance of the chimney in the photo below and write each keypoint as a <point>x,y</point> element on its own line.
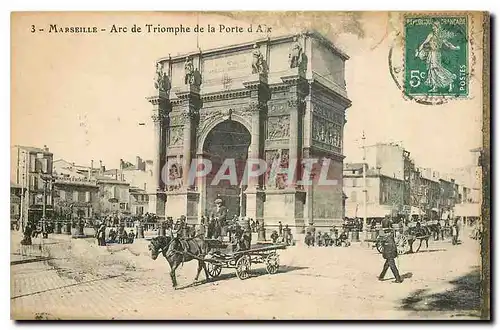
<point>101,168</point>
<point>138,163</point>
<point>45,148</point>
<point>116,173</point>
<point>89,175</point>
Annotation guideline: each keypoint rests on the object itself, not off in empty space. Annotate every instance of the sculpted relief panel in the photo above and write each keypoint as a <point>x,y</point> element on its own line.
<point>328,134</point>
<point>278,127</point>
<point>276,159</point>
<point>176,136</point>
<point>278,108</point>
<point>328,113</point>
<point>176,129</point>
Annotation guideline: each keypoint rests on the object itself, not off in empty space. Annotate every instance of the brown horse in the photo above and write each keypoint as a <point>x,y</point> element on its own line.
<point>179,250</point>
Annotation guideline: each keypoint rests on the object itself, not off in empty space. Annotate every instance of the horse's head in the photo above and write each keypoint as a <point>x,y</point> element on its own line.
<point>157,245</point>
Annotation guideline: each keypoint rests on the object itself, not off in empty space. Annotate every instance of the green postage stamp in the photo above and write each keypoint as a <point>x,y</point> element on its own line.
<point>436,56</point>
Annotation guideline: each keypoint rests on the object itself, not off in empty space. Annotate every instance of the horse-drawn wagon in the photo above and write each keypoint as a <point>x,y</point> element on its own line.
<point>405,237</point>
<point>242,261</point>
<point>212,255</point>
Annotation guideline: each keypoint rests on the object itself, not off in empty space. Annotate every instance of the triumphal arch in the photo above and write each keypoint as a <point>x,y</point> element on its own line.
<point>276,99</point>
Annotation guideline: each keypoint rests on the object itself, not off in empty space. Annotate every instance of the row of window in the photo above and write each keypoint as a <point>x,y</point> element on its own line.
<point>75,196</point>
<point>40,165</point>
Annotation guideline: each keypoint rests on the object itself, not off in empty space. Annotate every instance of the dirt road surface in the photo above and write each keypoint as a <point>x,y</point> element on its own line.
<point>80,280</point>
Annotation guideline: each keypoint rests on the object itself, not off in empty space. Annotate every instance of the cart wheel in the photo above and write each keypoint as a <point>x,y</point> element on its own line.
<point>243,267</point>
<point>213,269</point>
<point>403,245</point>
<point>272,263</point>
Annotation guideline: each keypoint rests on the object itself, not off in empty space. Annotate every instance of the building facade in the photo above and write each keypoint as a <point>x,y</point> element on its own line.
<point>33,173</point>
<point>90,191</point>
<point>384,194</point>
<point>76,191</point>
<point>15,204</point>
<point>278,99</point>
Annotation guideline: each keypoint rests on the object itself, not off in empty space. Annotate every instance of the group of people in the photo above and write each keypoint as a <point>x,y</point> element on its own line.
<point>115,235</point>
<point>282,235</point>
<point>327,239</point>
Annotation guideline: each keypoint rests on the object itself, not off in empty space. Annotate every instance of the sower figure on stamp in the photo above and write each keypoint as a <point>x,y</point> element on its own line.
<point>430,52</point>
<point>390,253</point>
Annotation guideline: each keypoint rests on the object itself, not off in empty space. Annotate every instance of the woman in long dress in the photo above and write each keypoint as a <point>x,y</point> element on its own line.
<point>430,51</point>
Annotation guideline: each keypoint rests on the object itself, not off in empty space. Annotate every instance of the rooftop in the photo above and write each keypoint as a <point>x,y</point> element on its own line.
<point>354,166</point>
<point>35,149</point>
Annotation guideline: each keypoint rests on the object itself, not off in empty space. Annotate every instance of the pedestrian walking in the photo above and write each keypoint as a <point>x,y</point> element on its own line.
<point>101,235</point>
<point>454,233</point>
<point>137,224</point>
<point>389,253</point>
<point>280,229</point>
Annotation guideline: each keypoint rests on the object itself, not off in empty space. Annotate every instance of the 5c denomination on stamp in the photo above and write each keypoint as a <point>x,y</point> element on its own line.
<point>436,56</point>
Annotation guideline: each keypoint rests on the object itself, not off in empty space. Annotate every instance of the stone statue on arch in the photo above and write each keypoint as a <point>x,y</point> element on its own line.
<point>162,82</point>
<point>296,57</point>
<point>258,62</point>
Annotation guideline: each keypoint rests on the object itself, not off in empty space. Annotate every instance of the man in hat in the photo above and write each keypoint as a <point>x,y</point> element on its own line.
<point>101,235</point>
<point>389,253</point>
<point>219,212</point>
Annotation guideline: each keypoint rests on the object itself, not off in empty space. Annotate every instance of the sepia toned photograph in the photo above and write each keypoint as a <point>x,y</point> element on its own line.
<point>250,166</point>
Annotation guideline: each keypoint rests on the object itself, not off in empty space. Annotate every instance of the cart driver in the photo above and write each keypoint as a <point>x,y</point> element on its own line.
<point>219,212</point>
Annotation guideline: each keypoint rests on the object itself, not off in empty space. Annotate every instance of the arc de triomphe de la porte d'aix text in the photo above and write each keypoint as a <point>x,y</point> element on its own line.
<point>275,99</point>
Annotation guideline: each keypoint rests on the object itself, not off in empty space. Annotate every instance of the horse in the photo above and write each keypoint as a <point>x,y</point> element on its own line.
<point>422,233</point>
<point>179,250</point>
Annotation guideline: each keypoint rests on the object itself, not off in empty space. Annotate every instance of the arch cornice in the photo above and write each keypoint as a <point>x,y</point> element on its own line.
<point>209,123</point>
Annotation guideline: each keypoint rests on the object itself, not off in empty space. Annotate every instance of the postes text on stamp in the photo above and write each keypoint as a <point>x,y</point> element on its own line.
<point>436,56</point>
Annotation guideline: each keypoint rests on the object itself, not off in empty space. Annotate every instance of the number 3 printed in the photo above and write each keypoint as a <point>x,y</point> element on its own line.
<point>33,29</point>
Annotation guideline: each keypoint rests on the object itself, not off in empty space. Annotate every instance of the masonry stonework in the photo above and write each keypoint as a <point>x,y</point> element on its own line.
<point>275,99</point>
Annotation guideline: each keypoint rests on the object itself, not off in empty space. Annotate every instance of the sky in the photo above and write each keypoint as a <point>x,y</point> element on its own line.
<point>84,95</point>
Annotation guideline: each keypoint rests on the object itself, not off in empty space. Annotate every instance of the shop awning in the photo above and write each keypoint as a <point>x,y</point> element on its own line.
<point>467,210</point>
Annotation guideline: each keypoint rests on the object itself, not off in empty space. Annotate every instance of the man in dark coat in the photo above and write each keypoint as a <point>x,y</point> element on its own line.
<point>386,222</point>
<point>219,212</point>
<point>390,253</point>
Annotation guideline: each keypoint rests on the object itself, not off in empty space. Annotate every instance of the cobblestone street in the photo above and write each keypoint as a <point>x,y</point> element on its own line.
<point>123,282</point>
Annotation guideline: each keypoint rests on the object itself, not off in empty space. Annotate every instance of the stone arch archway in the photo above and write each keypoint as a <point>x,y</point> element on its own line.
<point>226,145</point>
<point>207,127</point>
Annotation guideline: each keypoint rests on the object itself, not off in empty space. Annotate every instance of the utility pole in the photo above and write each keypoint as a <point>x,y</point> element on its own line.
<point>364,181</point>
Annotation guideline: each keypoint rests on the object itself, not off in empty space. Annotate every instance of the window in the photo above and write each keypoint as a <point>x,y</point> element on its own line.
<point>354,182</point>
<point>81,196</point>
<point>353,196</point>
<point>75,196</point>
<point>87,196</point>
<point>62,195</point>
<point>32,159</point>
